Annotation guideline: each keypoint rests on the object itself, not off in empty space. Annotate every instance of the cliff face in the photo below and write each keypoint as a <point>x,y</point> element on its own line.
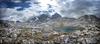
<point>89,18</point>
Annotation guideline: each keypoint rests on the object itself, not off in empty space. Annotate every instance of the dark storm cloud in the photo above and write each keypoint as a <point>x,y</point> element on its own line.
<point>81,4</point>
<point>1,12</point>
<point>97,5</point>
<point>81,7</point>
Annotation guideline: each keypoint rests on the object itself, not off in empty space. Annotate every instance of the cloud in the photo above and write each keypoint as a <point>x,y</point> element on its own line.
<point>21,10</point>
<point>14,15</point>
<point>18,10</point>
<point>14,3</point>
<point>79,7</point>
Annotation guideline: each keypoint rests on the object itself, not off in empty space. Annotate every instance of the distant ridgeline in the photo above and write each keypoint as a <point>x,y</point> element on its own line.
<point>91,19</point>
<point>3,23</point>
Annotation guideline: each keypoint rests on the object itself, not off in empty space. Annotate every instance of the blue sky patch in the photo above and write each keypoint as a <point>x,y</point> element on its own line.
<point>9,4</point>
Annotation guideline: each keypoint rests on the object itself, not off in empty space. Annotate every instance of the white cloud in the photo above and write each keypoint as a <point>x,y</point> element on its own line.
<point>16,1</point>
<point>14,15</point>
<point>68,8</point>
<point>76,8</point>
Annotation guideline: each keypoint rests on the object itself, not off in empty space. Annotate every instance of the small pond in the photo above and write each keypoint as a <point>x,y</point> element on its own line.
<point>66,29</point>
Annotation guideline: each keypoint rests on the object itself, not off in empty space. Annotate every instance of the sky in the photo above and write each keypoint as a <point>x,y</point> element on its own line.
<point>22,10</point>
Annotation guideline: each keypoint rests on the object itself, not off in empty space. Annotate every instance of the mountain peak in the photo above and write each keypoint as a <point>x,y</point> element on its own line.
<point>56,16</point>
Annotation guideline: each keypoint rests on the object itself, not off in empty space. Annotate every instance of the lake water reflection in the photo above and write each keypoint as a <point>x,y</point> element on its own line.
<point>66,29</point>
